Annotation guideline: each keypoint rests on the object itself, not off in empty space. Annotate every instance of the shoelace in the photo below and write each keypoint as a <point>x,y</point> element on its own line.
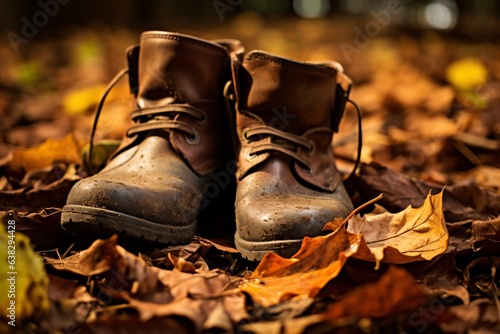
<point>360,139</point>
<point>283,142</point>
<point>284,147</point>
<point>154,118</point>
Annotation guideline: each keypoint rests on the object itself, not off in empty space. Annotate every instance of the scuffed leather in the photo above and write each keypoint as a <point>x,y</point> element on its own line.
<point>280,197</point>
<point>174,68</point>
<point>157,179</point>
<point>309,97</point>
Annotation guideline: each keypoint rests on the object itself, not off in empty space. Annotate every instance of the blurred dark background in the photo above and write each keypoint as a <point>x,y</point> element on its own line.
<point>469,18</point>
<point>58,55</point>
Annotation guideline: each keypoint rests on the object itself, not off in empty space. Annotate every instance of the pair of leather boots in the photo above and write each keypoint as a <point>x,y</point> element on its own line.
<point>206,113</point>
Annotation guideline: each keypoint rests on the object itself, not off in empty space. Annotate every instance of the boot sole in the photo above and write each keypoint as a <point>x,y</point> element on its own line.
<point>97,222</point>
<point>255,250</point>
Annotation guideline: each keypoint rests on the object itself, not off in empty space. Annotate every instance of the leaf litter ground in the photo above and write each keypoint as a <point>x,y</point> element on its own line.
<point>424,258</point>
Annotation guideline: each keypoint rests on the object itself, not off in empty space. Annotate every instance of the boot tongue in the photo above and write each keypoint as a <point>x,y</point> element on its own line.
<point>288,95</point>
<point>175,68</point>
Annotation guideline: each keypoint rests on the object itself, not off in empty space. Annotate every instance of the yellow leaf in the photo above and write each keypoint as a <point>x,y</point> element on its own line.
<point>466,73</point>
<point>79,101</point>
<point>413,234</point>
<point>62,150</point>
<point>28,295</point>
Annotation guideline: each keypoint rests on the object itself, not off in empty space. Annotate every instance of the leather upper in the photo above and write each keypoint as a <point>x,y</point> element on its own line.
<point>174,69</point>
<point>296,98</point>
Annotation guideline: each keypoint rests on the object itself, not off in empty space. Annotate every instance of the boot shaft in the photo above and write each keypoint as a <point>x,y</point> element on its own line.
<point>175,68</point>
<point>303,92</point>
<point>286,113</point>
<point>169,71</point>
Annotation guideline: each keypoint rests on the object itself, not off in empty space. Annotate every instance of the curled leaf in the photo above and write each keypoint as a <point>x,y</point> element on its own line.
<point>413,234</point>
<point>318,261</point>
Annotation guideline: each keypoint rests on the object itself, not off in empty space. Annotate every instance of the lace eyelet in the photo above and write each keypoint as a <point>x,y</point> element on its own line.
<point>192,139</point>
<point>203,119</point>
<point>311,148</point>
<point>308,170</point>
<point>245,135</point>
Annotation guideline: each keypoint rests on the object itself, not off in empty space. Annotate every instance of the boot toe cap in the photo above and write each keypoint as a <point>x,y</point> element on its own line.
<point>286,217</point>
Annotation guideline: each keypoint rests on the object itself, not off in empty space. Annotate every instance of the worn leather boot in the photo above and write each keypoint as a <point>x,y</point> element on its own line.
<point>287,184</point>
<point>160,177</point>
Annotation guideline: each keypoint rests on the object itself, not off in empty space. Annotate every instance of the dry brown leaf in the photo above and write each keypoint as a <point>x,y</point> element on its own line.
<point>484,176</point>
<point>460,201</point>
<point>411,235</point>
<point>481,315</point>
<point>100,257</point>
<point>394,293</point>
<point>464,234</point>
<point>43,228</point>
<point>289,326</point>
<point>35,195</point>
<point>202,298</point>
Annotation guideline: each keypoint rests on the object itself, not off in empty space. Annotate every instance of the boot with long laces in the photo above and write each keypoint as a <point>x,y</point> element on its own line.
<point>155,185</point>
<point>288,186</point>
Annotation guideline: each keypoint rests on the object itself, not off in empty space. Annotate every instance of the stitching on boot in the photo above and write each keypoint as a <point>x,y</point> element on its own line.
<point>187,40</point>
<point>291,63</point>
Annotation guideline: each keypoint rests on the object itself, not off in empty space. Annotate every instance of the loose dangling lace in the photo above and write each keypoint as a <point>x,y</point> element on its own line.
<point>113,82</point>
<point>360,139</point>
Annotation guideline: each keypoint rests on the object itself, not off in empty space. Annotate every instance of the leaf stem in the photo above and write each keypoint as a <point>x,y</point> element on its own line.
<point>361,207</point>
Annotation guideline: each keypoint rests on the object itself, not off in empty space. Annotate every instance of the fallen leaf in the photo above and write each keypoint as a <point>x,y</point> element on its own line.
<point>43,228</point>
<point>414,234</point>
<point>65,150</point>
<point>318,261</point>
<point>466,73</point>
<point>24,280</point>
<point>394,293</point>
<point>71,304</point>
<point>36,196</point>
<point>80,100</point>
<point>194,253</point>
<point>133,324</point>
<point>480,316</point>
<point>464,234</point>
<point>483,275</point>
<point>99,258</point>
<point>157,293</point>
<point>460,202</point>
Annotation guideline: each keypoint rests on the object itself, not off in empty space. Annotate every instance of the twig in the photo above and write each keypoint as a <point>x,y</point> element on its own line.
<point>362,206</point>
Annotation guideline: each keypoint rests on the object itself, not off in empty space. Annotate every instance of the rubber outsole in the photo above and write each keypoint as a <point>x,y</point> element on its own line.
<point>255,250</point>
<point>98,222</point>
